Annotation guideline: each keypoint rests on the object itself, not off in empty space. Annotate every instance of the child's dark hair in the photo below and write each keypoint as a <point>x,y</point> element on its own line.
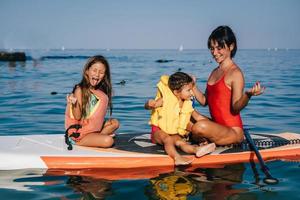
<point>178,80</point>
<point>223,35</point>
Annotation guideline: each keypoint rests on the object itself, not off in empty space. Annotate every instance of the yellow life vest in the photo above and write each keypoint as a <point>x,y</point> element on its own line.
<point>170,117</point>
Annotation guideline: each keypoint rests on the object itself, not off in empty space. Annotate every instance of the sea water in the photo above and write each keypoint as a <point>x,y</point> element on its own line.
<point>33,99</point>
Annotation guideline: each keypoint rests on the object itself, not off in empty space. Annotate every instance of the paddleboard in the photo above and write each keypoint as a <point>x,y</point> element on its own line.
<point>49,151</point>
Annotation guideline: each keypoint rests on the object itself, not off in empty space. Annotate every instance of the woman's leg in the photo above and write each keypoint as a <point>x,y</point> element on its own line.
<point>96,140</point>
<point>194,119</point>
<point>214,132</point>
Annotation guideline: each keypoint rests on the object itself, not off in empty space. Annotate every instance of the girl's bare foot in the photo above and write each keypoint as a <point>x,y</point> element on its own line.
<point>112,135</point>
<point>182,161</point>
<point>205,149</point>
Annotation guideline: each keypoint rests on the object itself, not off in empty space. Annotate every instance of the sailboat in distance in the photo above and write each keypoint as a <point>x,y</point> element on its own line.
<point>180,48</point>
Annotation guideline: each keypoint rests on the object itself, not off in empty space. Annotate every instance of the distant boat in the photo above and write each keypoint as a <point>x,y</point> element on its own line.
<point>62,48</point>
<point>180,48</point>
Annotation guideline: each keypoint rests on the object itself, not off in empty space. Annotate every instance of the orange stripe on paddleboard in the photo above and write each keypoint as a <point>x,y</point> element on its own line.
<point>246,157</point>
<point>135,162</point>
<point>105,162</point>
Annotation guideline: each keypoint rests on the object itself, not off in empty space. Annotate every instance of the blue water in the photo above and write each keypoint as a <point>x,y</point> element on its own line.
<point>28,106</point>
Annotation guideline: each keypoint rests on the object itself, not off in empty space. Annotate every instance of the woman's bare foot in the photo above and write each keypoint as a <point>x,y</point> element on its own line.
<point>182,161</point>
<point>203,143</point>
<point>205,149</point>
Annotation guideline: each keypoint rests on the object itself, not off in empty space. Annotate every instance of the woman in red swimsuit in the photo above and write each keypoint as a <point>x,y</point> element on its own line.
<point>224,94</point>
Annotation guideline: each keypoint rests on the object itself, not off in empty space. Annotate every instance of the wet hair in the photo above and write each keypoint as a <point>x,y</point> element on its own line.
<point>223,35</point>
<point>178,80</point>
<point>105,84</point>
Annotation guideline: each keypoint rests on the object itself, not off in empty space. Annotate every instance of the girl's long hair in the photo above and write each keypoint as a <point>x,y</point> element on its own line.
<point>105,84</point>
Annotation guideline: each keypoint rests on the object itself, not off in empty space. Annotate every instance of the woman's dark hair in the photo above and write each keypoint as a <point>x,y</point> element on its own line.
<point>178,80</point>
<point>223,35</point>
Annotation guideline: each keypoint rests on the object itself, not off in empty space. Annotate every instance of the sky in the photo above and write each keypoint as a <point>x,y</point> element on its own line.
<point>146,24</point>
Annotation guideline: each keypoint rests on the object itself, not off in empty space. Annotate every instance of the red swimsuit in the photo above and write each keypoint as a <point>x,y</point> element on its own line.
<point>219,103</point>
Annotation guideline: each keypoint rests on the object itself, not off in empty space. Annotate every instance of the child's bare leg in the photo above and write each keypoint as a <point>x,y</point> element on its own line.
<point>110,126</point>
<point>96,140</point>
<point>197,150</point>
<point>166,140</point>
<point>169,145</point>
<point>184,146</point>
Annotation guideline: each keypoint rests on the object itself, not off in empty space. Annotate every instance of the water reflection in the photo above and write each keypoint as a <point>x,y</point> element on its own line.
<point>181,184</point>
<point>224,183</point>
<point>13,64</point>
<point>208,183</point>
<point>177,185</point>
<point>90,188</point>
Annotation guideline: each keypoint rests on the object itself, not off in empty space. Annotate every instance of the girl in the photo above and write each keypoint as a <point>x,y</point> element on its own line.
<point>224,93</point>
<point>170,119</point>
<point>87,106</point>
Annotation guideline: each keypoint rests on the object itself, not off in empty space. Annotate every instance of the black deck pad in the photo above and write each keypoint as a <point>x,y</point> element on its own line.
<point>142,143</point>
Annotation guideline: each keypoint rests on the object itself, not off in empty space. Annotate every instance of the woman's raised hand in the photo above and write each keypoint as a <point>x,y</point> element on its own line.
<point>256,90</point>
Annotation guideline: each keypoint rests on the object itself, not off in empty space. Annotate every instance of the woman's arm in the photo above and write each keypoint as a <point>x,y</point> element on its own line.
<point>240,98</point>
<point>199,95</point>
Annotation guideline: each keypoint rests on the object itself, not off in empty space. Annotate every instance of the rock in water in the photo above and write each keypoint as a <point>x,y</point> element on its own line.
<point>14,56</point>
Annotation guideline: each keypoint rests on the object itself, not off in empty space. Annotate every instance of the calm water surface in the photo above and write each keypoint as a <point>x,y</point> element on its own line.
<point>28,106</point>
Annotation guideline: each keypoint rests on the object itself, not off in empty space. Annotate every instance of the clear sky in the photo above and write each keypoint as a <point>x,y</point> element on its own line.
<point>146,24</point>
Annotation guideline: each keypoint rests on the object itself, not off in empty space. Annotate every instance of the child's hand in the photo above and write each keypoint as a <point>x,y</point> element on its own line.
<point>151,104</point>
<point>256,90</point>
<point>71,99</point>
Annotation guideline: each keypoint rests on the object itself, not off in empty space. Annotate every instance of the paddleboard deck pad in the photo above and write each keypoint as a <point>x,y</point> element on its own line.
<point>132,151</point>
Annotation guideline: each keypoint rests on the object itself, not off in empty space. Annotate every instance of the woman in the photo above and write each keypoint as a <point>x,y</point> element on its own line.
<point>224,94</point>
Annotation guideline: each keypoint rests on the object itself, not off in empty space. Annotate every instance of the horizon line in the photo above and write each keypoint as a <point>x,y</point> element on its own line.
<point>112,49</point>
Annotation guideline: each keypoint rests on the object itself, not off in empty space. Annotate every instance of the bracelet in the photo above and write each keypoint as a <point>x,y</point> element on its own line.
<point>249,95</point>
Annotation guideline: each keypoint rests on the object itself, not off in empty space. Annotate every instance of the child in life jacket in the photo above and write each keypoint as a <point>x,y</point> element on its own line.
<point>171,117</point>
<point>87,106</point>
